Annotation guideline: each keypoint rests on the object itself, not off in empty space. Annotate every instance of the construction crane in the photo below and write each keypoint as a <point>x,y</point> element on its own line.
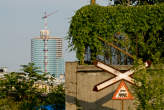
<point>45,37</point>
<point>45,18</point>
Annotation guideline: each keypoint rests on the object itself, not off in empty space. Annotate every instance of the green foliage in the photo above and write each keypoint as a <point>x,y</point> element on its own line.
<point>8,103</point>
<point>17,90</point>
<point>143,26</point>
<point>15,86</point>
<point>33,71</point>
<point>150,90</point>
<point>57,96</point>
<point>137,2</point>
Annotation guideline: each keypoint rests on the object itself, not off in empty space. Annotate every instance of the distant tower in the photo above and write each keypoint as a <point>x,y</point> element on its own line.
<point>46,52</point>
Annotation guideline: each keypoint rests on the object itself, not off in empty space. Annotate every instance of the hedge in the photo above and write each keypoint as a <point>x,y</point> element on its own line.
<point>141,28</point>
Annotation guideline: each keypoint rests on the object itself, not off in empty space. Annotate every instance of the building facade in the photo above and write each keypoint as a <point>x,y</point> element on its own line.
<point>46,53</point>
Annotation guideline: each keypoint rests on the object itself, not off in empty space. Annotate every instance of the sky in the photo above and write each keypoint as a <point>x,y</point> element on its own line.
<point>20,21</point>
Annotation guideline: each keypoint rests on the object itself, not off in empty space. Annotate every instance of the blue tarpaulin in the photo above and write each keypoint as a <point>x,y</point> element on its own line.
<point>50,107</point>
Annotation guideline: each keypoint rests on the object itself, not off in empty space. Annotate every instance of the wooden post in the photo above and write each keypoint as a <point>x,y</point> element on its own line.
<point>128,2</point>
<point>122,104</point>
<point>116,47</point>
<point>93,2</point>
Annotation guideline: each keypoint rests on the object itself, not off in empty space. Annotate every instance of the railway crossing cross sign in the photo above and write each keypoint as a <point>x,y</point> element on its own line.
<point>118,75</point>
<point>122,92</point>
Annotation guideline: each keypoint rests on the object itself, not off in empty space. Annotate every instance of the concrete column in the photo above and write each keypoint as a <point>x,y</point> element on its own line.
<point>71,85</point>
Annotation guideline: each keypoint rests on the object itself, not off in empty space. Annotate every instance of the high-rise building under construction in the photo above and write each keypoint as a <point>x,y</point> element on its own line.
<point>46,53</point>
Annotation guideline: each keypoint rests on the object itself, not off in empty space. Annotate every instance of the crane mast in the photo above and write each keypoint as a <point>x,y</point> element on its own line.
<point>45,35</point>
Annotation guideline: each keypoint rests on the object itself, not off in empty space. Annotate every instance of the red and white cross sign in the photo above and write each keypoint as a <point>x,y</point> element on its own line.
<point>118,75</point>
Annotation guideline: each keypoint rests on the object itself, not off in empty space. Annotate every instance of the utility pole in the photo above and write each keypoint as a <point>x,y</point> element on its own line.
<point>93,2</point>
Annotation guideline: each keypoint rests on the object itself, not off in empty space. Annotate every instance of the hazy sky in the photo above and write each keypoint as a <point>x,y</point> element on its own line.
<point>20,20</point>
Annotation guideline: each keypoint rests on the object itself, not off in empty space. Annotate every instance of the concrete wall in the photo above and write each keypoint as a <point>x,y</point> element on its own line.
<point>80,81</point>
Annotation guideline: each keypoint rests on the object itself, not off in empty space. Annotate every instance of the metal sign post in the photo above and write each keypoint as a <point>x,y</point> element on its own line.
<point>122,94</point>
<point>122,104</point>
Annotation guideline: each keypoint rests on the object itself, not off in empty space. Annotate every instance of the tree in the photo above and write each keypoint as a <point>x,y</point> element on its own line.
<point>33,72</point>
<point>17,90</point>
<point>19,87</point>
